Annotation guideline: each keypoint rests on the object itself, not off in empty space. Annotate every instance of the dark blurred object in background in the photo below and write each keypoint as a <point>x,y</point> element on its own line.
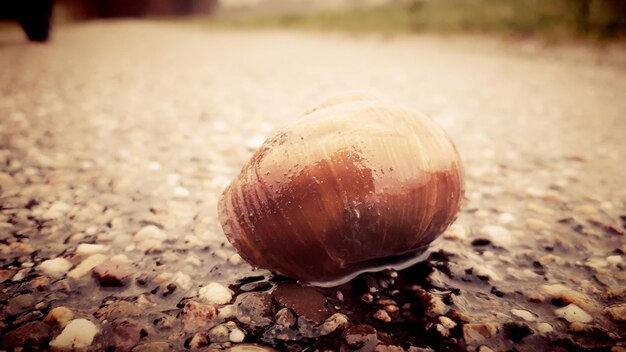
<point>33,15</point>
<point>84,9</point>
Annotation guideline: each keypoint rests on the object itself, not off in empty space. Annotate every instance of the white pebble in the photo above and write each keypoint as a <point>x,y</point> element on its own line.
<point>182,280</point>
<point>614,259</point>
<point>55,267</point>
<point>56,210</point>
<point>236,336</point>
<point>497,234</point>
<point>86,265</point>
<point>150,232</point>
<point>88,248</point>
<point>181,192</point>
<point>78,333</point>
<point>455,232</point>
<point>235,259</point>
<point>573,314</point>
<point>524,314</point>
<point>544,328</point>
<point>506,218</point>
<point>215,293</point>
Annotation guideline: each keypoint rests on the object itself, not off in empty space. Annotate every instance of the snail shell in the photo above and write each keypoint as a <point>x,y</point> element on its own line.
<point>348,187</point>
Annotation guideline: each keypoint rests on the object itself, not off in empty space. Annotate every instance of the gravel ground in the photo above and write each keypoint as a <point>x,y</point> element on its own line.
<point>116,140</point>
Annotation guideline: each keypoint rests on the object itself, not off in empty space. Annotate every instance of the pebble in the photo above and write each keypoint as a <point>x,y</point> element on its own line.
<point>88,248</point>
<point>536,224</point>
<point>87,265</point>
<point>236,335</point>
<point>544,328</point>
<point>617,313</point>
<point>219,333</point>
<point>567,296</point>
<point>77,334</point>
<point>506,218</point>
<point>498,235</point>
<point>614,259</point>
<point>56,267</point>
<point>56,210</point>
<point>198,315</point>
<point>335,322</point>
<point>455,232</point>
<point>215,293</point>
<point>573,313</point>
<point>59,317</point>
<point>199,340</point>
<point>524,314</point>
<point>113,273</point>
<point>182,280</point>
<point>6,180</point>
<point>447,322</point>
<point>474,333</point>
<point>382,315</point>
<point>150,232</point>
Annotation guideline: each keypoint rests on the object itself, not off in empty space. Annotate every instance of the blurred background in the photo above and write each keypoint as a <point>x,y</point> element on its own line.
<point>553,19</point>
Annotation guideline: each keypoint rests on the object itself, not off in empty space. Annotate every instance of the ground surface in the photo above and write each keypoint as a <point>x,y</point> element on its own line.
<point>123,135</point>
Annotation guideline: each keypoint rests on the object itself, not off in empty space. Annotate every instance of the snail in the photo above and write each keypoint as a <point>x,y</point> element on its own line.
<point>355,185</point>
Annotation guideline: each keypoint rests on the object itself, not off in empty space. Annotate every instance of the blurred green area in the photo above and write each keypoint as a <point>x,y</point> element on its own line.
<point>550,19</point>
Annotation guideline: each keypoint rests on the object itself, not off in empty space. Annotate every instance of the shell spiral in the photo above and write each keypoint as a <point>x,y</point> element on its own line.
<point>345,187</point>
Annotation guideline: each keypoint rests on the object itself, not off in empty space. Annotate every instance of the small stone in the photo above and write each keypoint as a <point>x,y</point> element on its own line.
<point>567,296</point>
<point>477,332</point>
<point>524,314</point>
<point>614,259</point>
<point>536,224</point>
<point>485,272</point>
<point>20,304</point>
<point>246,347</point>
<point>573,313</point>
<point>447,322</point>
<point>544,328</point>
<point>442,330</point>
<point>198,340</point>
<point>112,273</point>
<point>455,232</point>
<point>360,337</point>
<point>219,333</point>
<point>506,218</point>
<point>382,315</point>
<point>118,309</point>
<point>56,210</point>
<point>56,267</point>
<point>87,265</point>
<point>59,317</point>
<point>285,318</point>
<point>182,280</point>
<point>484,348</point>
<point>150,232</point>
<point>6,181</point>
<point>88,248</point>
<point>30,336</point>
<point>126,334</point>
<point>215,293</point>
<point>335,322</point>
<point>236,335</point>
<point>388,348</point>
<point>77,334</point>
<point>498,235</point>
<point>617,312</point>
<point>615,292</point>
<point>198,316</point>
